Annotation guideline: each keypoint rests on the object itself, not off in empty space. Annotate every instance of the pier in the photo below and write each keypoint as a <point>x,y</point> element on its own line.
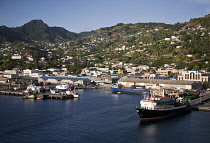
<point>39,96</point>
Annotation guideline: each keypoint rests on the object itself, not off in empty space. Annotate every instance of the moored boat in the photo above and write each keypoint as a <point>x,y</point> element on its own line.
<point>34,89</point>
<point>154,107</point>
<point>72,93</point>
<point>64,86</point>
<point>117,88</point>
<point>29,96</point>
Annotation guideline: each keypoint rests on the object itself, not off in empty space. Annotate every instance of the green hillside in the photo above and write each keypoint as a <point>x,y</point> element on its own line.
<point>185,45</point>
<point>36,30</point>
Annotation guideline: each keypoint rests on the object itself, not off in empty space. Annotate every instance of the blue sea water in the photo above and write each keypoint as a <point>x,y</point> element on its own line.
<point>98,116</point>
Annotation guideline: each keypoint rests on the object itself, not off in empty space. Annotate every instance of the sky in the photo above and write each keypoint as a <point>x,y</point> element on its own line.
<point>86,15</point>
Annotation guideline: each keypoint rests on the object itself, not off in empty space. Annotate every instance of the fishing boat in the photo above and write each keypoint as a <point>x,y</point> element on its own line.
<point>154,107</point>
<point>118,88</point>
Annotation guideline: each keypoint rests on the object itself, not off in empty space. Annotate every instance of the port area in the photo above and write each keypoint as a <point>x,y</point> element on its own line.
<point>202,103</point>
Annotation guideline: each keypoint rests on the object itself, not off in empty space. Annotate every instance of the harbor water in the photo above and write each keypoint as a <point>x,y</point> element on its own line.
<point>98,116</point>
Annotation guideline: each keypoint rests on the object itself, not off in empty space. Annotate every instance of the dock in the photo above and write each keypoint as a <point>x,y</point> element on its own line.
<point>10,92</point>
<point>40,95</point>
<point>201,103</point>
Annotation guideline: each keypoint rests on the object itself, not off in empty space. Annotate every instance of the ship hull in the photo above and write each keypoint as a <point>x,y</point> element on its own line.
<point>133,91</point>
<point>29,96</point>
<point>147,115</point>
<point>64,89</point>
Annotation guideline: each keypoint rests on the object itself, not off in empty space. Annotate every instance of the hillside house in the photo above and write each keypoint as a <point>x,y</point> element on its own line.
<point>16,57</point>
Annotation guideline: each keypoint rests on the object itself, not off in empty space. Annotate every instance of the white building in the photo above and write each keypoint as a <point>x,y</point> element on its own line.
<point>16,57</point>
<point>28,72</point>
<point>30,58</point>
<point>57,80</point>
<point>10,73</point>
<point>194,75</point>
<point>167,84</point>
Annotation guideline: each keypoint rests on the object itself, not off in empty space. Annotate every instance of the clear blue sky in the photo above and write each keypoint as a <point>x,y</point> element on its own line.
<point>85,15</point>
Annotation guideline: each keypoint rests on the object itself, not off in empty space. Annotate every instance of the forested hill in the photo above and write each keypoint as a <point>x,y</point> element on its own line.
<point>183,45</point>
<point>36,30</point>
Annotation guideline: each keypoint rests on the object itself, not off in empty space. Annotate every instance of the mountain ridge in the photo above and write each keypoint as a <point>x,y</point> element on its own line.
<point>36,30</point>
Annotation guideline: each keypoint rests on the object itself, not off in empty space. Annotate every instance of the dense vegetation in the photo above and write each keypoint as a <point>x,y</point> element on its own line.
<point>183,45</point>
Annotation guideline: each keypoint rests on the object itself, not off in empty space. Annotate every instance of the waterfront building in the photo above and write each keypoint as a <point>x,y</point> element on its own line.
<point>106,77</point>
<point>167,84</point>
<point>194,75</point>
<point>56,80</point>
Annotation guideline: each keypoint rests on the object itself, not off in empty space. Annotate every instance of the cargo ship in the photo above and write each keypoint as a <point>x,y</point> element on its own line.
<point>155,107</point>
<point>118,88</point>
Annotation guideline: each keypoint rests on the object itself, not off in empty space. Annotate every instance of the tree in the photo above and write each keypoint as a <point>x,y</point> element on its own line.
<point>171,75</point>
<point>206,85</point>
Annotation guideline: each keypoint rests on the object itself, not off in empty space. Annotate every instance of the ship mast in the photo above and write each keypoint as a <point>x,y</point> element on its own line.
<point>163,92</point>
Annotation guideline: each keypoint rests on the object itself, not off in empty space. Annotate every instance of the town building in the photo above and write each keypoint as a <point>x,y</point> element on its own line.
<point>194,75</point>
<point>10,73</point>
<point>32,73</point>
<point>57,80</point>
<point>163,72</point>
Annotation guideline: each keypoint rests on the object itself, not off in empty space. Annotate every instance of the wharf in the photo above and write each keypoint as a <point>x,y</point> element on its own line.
<point>10,92</point>
<point>204,107</point>
<point>41,95</point>
<point>201,103</point>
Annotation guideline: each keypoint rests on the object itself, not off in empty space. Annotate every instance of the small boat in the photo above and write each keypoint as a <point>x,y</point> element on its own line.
<point>72,93</point>
<point>118,88</point>
<point>154,107</point>
<point>64,86</point>
<point>29,96</point>
<point>54,91</point>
